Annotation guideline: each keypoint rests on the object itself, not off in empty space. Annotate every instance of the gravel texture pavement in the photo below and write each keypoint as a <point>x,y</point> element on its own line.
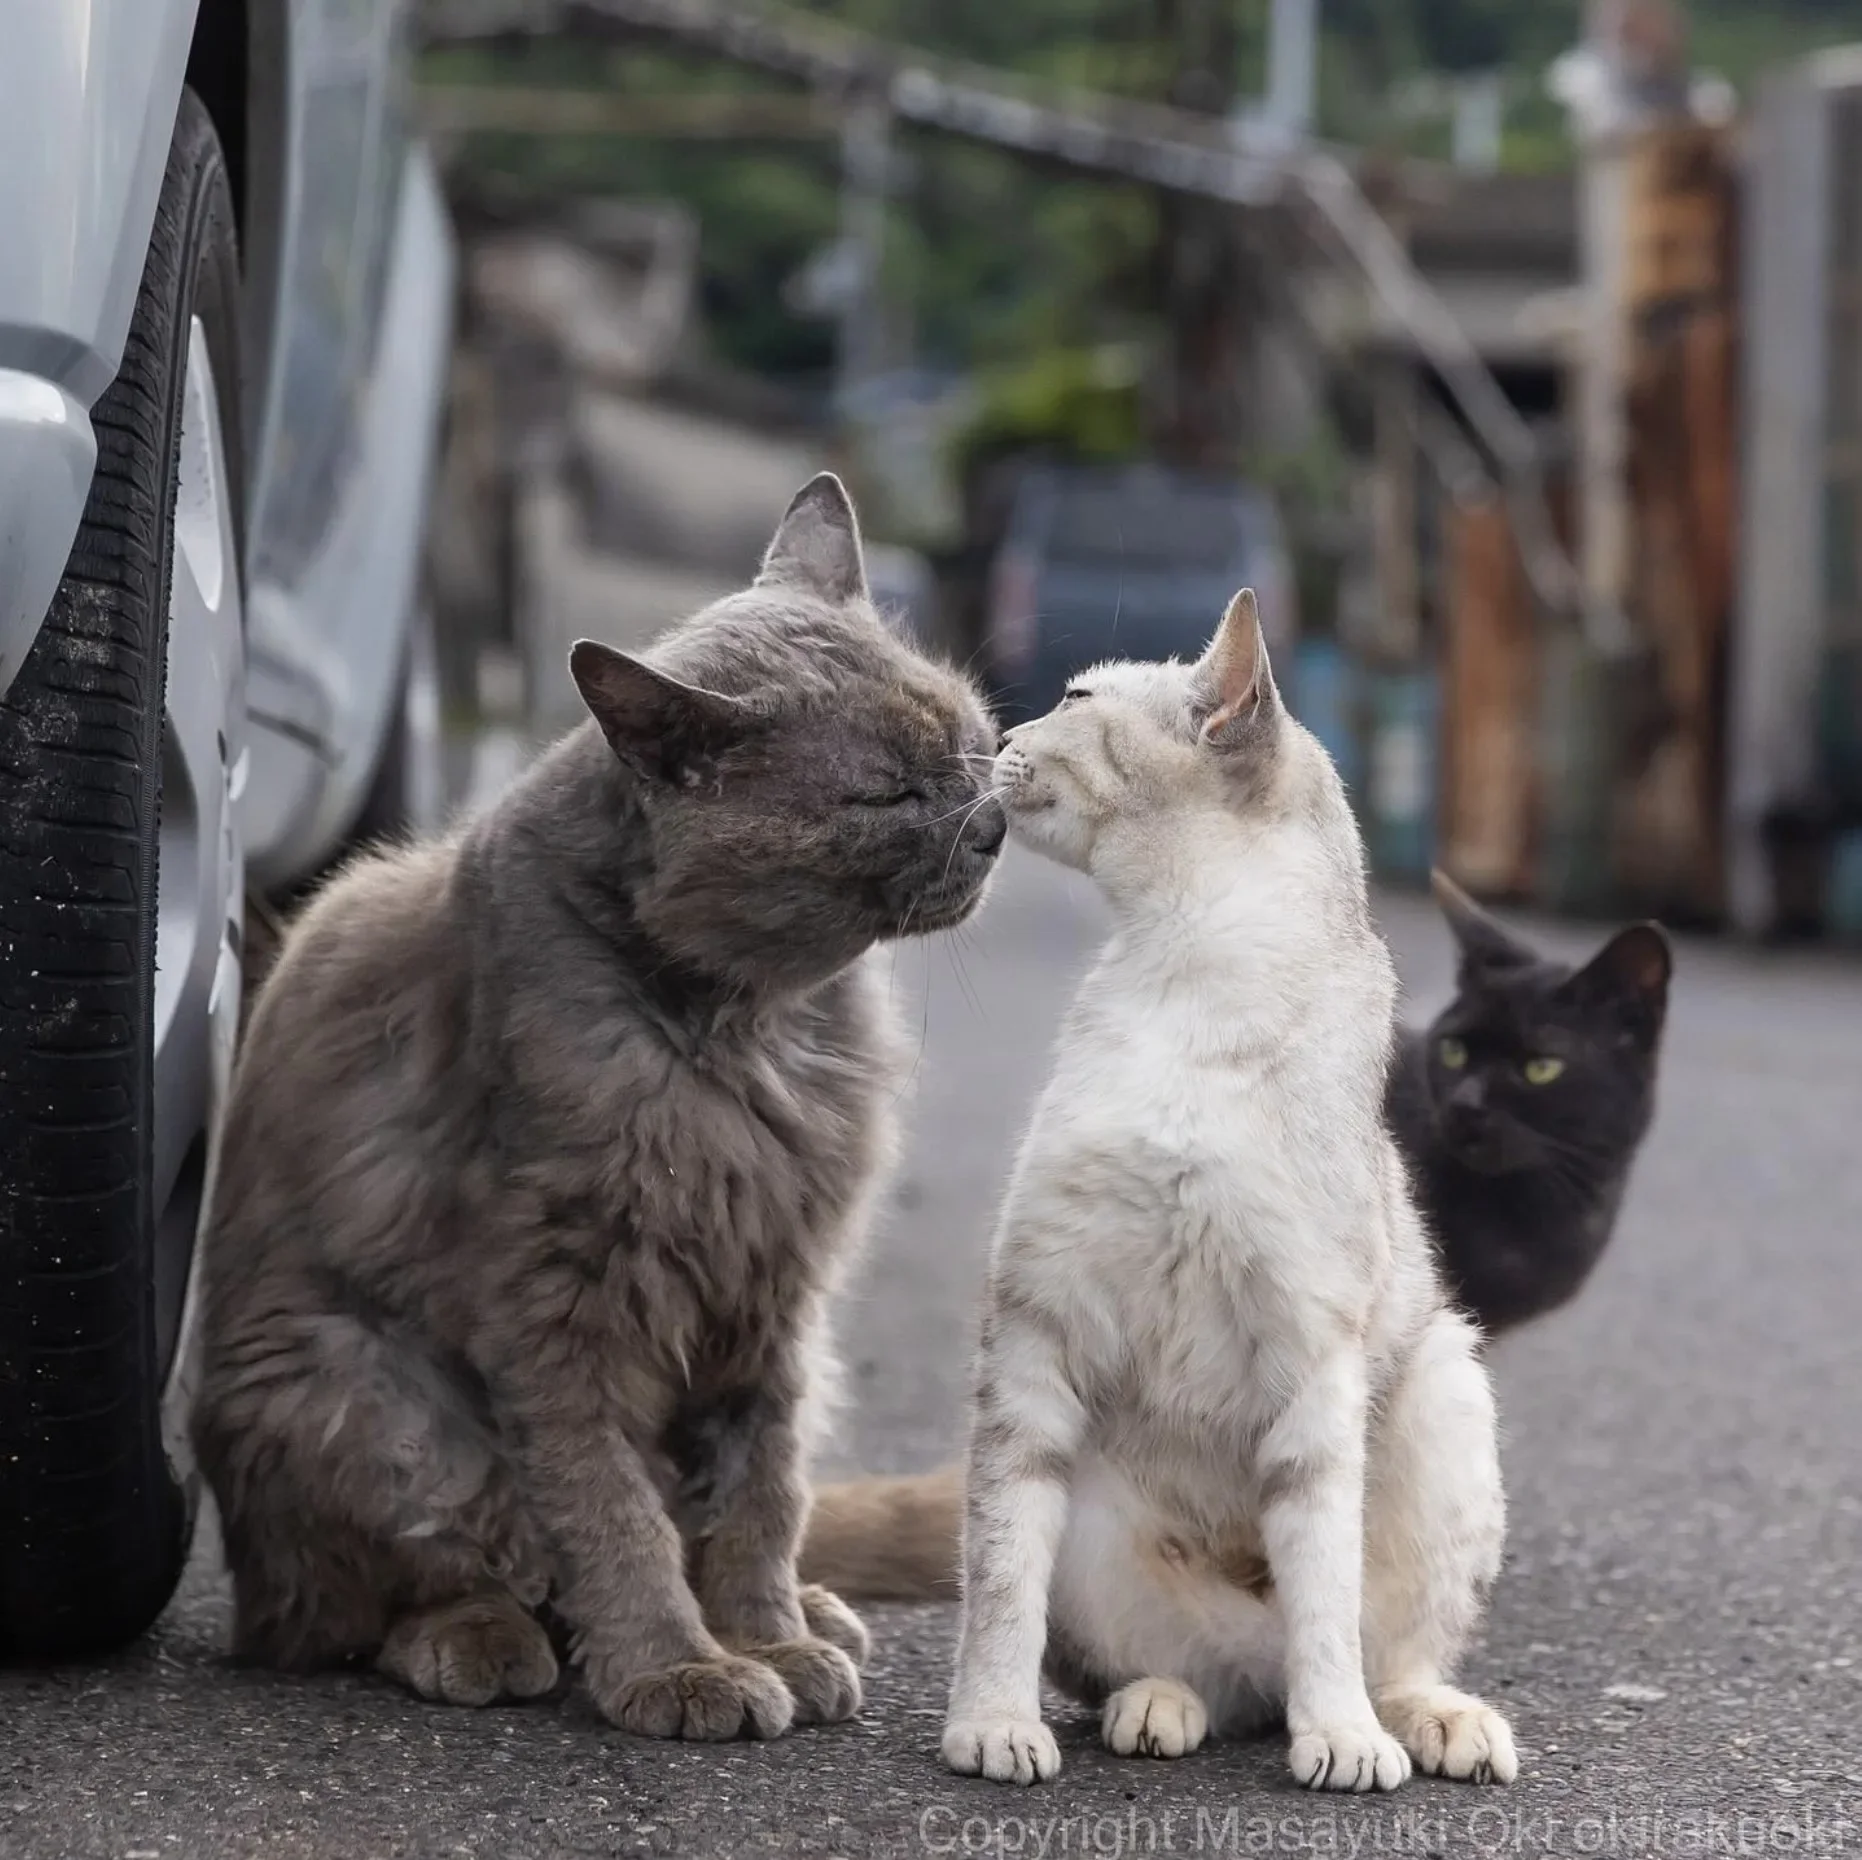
<point>1677,1635</point>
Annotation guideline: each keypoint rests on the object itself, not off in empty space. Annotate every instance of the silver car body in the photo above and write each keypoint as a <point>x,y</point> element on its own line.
<point>349,266</point>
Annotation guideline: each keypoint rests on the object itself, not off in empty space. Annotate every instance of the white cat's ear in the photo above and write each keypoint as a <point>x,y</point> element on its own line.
<point>1235,672</point>
<point>817,544</point>
<point>657,725</point>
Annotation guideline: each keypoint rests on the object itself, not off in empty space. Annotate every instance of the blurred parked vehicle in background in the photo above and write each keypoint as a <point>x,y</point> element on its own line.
<point>1130,562</point>
<point>904,587</point>
<point>225,306</point>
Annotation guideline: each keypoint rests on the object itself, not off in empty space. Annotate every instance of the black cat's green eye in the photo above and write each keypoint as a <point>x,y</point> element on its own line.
<point>1543,1070</point>
<point>1452,1054</point>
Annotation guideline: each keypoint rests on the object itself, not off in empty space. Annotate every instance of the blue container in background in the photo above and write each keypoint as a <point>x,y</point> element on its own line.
<point>1402,711</point>
<point>1839,723</point>
<point>1325,698</point>
<point>1843,896</point>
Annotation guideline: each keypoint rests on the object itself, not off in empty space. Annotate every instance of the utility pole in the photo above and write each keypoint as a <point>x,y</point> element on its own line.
<point>866,164</point>
<point>1603,243</point>
<point>1632,73</point>
<point>1217,284</point>
<point>1479,120</point>
<point>1199,406</point>
<point>1292,66</point>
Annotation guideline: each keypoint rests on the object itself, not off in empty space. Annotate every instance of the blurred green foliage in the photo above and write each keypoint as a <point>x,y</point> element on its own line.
<point>993,266</point>
<point>1074,403</point>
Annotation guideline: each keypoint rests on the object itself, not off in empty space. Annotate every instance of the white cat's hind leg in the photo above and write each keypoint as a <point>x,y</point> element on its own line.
<point>1165,1645</point>
<point>1434,1526</point>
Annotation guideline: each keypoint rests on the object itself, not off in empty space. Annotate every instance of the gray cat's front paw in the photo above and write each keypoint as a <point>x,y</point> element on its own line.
<point>822,1679</point>
<point>831,1620</point>
<point>708,1701</point>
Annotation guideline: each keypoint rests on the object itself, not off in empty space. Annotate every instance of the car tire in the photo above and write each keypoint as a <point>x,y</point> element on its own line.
<point>121,753</point>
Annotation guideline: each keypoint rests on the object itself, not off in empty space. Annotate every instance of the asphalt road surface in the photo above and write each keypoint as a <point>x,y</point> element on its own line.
<point>1677,1635</point>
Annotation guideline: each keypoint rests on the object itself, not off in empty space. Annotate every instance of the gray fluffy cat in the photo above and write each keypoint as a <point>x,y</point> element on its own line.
<point>548,1142</point>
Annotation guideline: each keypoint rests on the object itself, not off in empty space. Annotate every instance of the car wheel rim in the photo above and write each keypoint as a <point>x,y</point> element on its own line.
<point>201,882</point>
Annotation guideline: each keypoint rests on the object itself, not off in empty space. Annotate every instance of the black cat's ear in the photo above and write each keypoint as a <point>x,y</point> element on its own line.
<point>1483,943</point>
<point>1236,677</point>
<point>817,544</point>
<point>658,726</point>
<point>1629,978</point>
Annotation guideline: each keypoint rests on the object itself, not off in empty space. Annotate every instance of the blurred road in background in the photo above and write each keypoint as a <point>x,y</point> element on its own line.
<point>1677,1635</point>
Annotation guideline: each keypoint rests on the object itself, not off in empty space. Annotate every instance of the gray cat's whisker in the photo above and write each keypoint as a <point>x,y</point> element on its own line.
<point>924,1034</point>
<point>954,950</point>
<point>956,842</point>
<point>937,820</point>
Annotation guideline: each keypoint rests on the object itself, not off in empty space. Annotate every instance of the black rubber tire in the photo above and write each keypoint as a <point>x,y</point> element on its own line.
<point>94,1526</point>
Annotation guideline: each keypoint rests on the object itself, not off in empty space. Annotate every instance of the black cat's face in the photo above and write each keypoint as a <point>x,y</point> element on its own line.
<point>1535,1065</point>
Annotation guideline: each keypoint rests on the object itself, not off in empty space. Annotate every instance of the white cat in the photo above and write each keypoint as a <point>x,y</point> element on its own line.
<point>1232,1455</point>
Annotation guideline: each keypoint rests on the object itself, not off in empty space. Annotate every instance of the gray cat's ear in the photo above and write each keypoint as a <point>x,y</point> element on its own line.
<point>1483,943</point>
<point>1235,676</point>
<point>659,727</point>
<point>817,543</point>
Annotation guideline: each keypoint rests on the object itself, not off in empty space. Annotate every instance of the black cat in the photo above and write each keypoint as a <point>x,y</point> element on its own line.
<point>1521,1108</point>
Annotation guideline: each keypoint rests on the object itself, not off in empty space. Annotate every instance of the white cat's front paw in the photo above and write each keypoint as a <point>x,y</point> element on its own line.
<point>1154,1718</point>
<point>1352,1757</point>
<point>1006,1750</point>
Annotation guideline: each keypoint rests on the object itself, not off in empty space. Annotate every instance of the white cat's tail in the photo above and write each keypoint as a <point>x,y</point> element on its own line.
<point>887,1540</point>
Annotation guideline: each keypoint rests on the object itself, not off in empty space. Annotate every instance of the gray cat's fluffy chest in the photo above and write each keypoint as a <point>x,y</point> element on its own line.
<point>727,1175</point>
<point>512,1152</point>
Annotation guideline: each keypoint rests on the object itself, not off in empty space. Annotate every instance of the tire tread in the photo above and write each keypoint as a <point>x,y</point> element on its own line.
<point>92,1524</point>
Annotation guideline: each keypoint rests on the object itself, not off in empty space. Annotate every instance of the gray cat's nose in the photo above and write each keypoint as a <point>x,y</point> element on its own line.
<point>989,826</point>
